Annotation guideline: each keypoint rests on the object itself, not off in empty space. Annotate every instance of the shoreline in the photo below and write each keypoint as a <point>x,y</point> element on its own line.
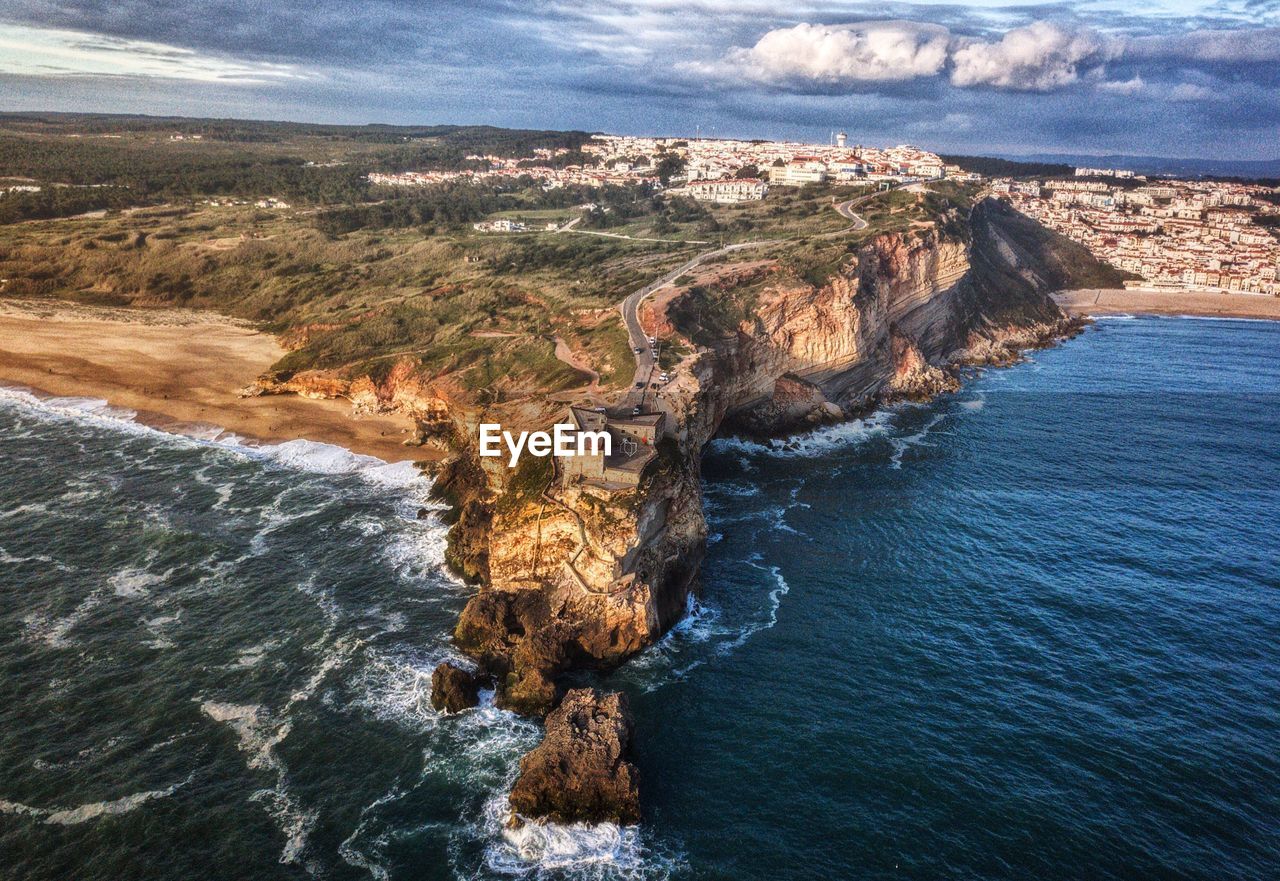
<point>179,369</point>
<point>1199,304</point>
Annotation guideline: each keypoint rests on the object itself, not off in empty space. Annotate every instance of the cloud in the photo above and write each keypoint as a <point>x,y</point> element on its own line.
<point>26,50</point>
<point>1124,87</point>
<point>983,73</point>
<point>1040,57</point>
<point>873,51</point>
<point>1190,92</point>
<point>1245,46</point>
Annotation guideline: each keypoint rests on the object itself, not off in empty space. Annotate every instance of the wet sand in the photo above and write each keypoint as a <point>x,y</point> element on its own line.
<point>1113,302</point>
<point>178,367</point>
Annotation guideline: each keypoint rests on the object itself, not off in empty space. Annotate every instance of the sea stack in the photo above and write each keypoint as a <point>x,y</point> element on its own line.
<point>454,689</point>
<point>581,772</point>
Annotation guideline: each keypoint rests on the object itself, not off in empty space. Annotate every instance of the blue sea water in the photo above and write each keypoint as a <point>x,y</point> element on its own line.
<point>1029,630</point>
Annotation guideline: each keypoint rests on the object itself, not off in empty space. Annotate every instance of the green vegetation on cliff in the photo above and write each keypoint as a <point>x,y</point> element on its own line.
<point>363,280</point>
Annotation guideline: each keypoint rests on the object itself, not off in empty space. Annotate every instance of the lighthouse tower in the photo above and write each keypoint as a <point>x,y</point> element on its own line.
<point>841,139</point>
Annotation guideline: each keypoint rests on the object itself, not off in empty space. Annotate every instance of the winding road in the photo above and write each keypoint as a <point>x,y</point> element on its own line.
<point>845,210</point>
<point>630,308</point>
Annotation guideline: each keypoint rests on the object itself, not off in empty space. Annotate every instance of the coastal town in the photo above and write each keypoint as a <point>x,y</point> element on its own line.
<point>711,169</point>
<point>1172,235</point>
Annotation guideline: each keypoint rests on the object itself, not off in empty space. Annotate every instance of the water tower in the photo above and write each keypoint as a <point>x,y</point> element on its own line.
<point>841,139</point>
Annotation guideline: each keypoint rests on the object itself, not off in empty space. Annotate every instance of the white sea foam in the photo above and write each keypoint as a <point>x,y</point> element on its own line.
<point>131,582</point>
<point>416,550</point>
<point>13,807</point>
<point>902,444</point>
<point>577,851</point>
<point>733,489</point>
<point>93,810</point>
<point>259,732</point>
<point>823,440</point>
<point>1221,318</point>
<point>776,593</point>
<point>252,656</point>
<point>369,857</point>
<point>9,559</point>
<point>54,631</point>
<point>399,689</point>
<point>302,455</point>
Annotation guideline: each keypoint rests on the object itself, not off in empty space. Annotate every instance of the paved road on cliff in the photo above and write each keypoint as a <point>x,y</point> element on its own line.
<point>630,307</point>
<point>845,210</point>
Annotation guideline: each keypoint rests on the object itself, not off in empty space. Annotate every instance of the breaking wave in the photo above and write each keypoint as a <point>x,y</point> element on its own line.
<point>301,455</point>
<point>814,443</point>
<point>591,852</point>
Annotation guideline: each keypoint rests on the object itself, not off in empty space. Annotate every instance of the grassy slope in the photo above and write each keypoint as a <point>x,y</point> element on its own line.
<point>481,309</point>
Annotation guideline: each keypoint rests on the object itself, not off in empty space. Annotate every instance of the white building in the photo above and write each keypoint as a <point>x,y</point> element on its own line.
<point>500,225</point>
<point>727,190</point>
<point>801,170</point>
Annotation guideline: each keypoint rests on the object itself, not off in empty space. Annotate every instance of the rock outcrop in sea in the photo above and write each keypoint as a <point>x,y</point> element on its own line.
<point>454,689</point>
<point>581,772</point>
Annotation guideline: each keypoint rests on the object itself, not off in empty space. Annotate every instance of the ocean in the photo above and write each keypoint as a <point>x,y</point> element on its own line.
<point>1028,630</point>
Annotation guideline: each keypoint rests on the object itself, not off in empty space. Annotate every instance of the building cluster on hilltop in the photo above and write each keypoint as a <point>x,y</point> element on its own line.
<point>709,169</point>
<point>783,162</point>
<point>1119,173</point>
<point>1185,235</point>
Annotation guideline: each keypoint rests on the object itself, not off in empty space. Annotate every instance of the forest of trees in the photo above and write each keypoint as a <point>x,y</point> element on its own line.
<point>988,166</point>
<point>262,159</point>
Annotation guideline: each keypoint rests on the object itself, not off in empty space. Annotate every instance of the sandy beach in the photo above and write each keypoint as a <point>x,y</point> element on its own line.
<point>1112,302</point>
<point>174,367</point>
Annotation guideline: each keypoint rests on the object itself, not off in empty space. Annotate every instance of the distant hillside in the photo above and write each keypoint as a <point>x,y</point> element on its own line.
<point>504,141</point>
<point>989,166</point>
<point>1163,165</point>
<point>1057,261</point>
<point>95,162</point>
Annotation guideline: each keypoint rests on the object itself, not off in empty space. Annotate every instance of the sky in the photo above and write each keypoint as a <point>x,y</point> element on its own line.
<point>1186,78</point>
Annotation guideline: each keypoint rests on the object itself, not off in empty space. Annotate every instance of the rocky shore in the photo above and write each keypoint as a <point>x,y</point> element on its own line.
<point>572,576</point>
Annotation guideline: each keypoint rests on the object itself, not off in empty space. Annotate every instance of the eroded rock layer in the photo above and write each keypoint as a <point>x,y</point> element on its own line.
<point>572,575</point>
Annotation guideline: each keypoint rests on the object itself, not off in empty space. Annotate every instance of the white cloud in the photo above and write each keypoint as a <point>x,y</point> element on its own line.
<point>1038,58</point>
<point>48,52</point>
<point>1190,92</point>
<point>876,51</point>
<point>1252,46</point>
<point>1124,87</point>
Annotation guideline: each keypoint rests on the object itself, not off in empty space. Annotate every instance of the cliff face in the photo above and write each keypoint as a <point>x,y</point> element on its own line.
<point>579,577</point>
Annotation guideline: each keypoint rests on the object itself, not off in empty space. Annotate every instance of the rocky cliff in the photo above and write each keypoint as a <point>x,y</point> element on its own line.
<point>577,576</point>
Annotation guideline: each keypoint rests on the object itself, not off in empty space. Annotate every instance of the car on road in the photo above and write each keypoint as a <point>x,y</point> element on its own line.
<point>639,385</point>
<point>638,350</point>
<point>635,411</point>
<point>653,340</point>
